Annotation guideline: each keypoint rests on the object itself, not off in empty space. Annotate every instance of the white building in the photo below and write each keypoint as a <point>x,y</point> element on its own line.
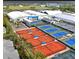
<point>50,12</point>
<point>15,15</point>
<point>65,17</point>
<point>59,15</point>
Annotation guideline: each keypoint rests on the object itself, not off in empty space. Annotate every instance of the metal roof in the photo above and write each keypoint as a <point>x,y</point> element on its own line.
<point>34,12</point>
<point>50,12</point>
<point>16,14</point>
<point>66,26</point>
<point>65,16</point>
<point>68,17</point>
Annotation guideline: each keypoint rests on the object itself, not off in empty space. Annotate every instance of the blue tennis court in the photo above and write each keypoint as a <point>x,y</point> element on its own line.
<point>45,27</point>
<point>51,30</point>
<point>59,34</point>
<point>70,41</point>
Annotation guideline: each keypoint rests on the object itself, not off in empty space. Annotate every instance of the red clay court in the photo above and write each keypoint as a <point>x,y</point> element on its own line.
<point>50,48</point>
<point>41,41</point>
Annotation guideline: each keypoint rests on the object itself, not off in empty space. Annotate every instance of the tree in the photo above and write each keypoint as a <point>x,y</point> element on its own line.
<point>39,55</point>
<point>67,8</point>
<point>17,23</point>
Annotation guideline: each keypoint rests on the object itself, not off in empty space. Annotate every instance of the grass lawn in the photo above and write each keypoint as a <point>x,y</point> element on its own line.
<point>26,7</point>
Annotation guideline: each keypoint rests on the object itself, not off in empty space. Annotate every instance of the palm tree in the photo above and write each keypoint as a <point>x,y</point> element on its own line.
<point>39,55</point>
<point>17,23</point>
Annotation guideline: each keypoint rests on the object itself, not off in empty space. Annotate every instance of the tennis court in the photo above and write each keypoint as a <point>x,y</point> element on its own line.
<point>38,23</point>
<point>34,42</point>
<point>50,48</point>
<point>38,33</point>
<point>55,46</point>
<point>66,26</point>
<point>26,36</point>
<point>43,49</point>
<point>41,41</point>
<point>43,27</point>
<point>59,34</point>
<point>46,39</point>
<point>70,42</point>
<point>51,30</point>
<point>35,34</point>
<point>21,32</point>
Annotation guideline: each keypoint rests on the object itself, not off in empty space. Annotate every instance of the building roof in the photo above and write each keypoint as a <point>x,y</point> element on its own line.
<point>16,14</point>
<point>34,12</point>
<point>8,51</point>
<point>61,15</point>
<point>50,12</point>
<point>65,16</point>
<point>25,19</point>
<point>66,26</point>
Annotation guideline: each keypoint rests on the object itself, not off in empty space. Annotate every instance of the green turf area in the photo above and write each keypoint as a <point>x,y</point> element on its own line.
<point>65,8</point>
<point>27,7</point>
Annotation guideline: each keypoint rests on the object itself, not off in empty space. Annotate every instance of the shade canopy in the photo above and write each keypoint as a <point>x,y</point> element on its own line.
<point>16,14</point>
